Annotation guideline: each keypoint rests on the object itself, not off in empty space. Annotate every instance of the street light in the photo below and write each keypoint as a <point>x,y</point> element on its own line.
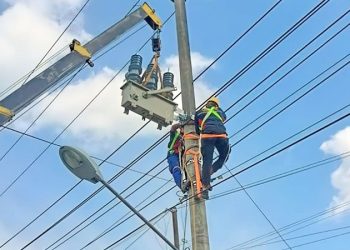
<point>81,165</point>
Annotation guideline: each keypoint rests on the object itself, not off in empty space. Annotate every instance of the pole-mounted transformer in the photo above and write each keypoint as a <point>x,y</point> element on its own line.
<point>143,94</point>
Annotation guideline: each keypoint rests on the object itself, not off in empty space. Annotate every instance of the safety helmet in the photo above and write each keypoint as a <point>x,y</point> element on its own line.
<point>215,100</point>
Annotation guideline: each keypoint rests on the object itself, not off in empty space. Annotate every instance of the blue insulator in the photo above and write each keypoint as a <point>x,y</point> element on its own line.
<point>152,83</point>
<point>168,81</point>
<point>135,69</point>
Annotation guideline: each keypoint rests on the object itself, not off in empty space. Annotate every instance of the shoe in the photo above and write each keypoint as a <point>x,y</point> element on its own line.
<point>185,186</point>
<point>208,187</point>
<point>205,194</point>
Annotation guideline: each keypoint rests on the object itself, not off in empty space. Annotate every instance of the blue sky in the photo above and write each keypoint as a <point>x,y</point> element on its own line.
<point>28,29</point>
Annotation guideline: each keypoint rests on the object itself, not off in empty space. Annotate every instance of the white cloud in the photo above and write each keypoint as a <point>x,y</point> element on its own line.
<point>103,122</point>
<point>28,28</point>
<point>338,144</point>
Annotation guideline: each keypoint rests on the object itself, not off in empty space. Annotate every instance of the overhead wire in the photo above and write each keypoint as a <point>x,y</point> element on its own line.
<point>272,46</point>
<point>56,41</point>
<point>17,82</point>
<point>66,127</point>
<point>84,227</point>
<point>98,56</point>
<point>313,219</point>
<point>254,24</point>
<point>294,67</point>
<point>53,142</point>
<point>270,156</point>
<point>262,212</point>
<point>323,239</point>
<point>311,134</point>
<point>298,237</point>
<point>289,105</point>
<point>285,174</point>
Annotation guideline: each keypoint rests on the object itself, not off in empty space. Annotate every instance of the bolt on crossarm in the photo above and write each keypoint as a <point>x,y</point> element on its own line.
<point>199,227</point>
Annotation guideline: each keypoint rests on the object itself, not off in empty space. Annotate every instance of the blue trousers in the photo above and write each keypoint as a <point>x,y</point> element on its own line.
<point>174,168</point>
<point>207,148</point>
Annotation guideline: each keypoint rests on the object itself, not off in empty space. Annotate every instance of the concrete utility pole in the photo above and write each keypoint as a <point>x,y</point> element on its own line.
<point>199,227</point>
<point>175,227</point>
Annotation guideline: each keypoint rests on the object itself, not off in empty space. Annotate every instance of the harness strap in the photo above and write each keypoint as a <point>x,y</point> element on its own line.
<point>211,111</point>
<point>195,155</point>
<point>177,134</point>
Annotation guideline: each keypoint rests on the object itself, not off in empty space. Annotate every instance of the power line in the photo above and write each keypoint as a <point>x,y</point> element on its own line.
<point>318,216</point>
<point>293,68</point>
<point>262,212</point>
<point>274,154</point>
<point>284,174</point>
<point>271,47</point>
<point>221,53</point>
<point>286,107</point>
<point>60,85</point>
<point>59,37</point>
<point>299,236</point>
<point>322,119</point>
<point>53,142</point>
<point>65,128</point>
<point>330,115</point>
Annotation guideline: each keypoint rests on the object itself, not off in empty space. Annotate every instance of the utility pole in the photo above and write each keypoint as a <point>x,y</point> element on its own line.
<point>175,227</point>
<point>199,226</point>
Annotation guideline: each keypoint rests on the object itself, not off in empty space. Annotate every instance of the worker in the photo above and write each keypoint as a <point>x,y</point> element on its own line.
<point>209,124</point>
<point>175,146</point>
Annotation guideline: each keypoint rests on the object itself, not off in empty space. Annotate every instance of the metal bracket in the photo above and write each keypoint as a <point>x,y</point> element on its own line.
<point>81,50</point>
<point>152,19</point>
<point>158,91</point>
<point>6,112</point>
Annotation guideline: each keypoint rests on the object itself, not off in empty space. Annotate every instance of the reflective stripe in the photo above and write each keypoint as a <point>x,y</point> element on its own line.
<point>177,134</point>
<point>211,111</point>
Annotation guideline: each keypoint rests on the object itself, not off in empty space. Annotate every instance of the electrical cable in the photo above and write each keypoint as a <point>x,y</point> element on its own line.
<point>284,174</point>
<point>14,84</point>
<point>105,86</point>
<point>64,129</point>
<point>262,212</point>
<point>59,37</point>
<point>60,85</point>
<point>186,199</point>
<point>318,216</point>
<point>298,237</point>
<point>66,234</point>
<point>292,69</point>
<point>270,47</point>
<point>223,52</point>
<point>318,122</point>
<point>286,107</point>
<point>272,155</point>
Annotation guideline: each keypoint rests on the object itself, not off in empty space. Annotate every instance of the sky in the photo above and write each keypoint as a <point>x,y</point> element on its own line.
<point>310,205</point>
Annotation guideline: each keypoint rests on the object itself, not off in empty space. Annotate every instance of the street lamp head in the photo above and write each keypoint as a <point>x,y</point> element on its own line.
<point>80,164</point>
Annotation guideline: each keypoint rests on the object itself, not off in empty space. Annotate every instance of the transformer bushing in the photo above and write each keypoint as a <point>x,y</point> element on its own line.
<point>168,82</point>
<point>135,69</point>
<point>152,83</point>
